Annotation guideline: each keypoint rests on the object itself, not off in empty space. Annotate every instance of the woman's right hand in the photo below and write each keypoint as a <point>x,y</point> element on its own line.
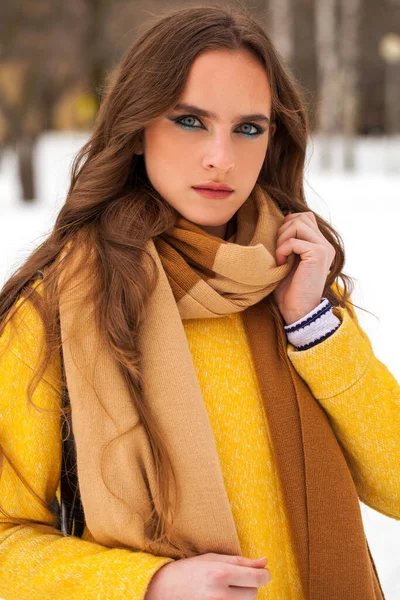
<point>207,577</point>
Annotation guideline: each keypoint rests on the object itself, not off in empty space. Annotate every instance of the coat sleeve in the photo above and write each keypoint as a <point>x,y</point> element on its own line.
<point>361,399</point>
<point>46,564</point>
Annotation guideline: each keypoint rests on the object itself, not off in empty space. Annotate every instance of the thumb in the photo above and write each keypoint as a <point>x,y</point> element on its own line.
<point>253,562</point>
<point>263,560</point>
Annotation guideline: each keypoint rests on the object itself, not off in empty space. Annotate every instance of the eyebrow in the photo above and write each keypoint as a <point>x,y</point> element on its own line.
<point>211,115</point>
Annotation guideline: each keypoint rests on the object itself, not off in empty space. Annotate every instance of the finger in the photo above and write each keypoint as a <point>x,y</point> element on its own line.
<point>307,250</point>
<point>301,230</point>
<point>262,560</point>
<point>306,215</point>
<point>241,576</point>
<point>293,222</point>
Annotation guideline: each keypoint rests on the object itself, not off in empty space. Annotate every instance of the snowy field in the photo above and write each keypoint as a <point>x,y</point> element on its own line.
<point>364,207</point>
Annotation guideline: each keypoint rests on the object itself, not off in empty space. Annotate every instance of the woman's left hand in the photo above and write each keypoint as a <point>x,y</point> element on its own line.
<point>301,291</point>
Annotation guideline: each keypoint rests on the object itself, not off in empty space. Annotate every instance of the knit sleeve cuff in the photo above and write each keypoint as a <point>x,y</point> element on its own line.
<point>338,362</point>
<point>314,327</point>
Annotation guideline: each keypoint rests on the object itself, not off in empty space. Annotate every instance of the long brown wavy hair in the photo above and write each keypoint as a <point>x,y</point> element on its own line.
<point>112,209</point>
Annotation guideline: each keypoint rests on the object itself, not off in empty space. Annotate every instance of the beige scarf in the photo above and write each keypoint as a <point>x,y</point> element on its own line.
<point>202,276</point>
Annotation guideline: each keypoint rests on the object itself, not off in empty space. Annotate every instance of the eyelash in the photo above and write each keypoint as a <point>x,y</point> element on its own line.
<point>260,130</point>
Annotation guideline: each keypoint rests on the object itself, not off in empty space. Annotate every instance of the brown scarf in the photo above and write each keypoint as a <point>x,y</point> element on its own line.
<point>202,276</point>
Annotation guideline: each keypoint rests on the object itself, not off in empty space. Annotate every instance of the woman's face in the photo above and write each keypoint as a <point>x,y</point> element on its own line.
<point>224,147</point>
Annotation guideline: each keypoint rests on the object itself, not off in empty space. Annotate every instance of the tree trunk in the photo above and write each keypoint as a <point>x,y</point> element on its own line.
<point>281,14</point>
<point>349,44</point>
<point>327,77</point>
<point>24,148</point>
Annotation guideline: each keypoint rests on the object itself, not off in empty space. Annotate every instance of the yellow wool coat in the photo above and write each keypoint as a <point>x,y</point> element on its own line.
<point>359,394</point>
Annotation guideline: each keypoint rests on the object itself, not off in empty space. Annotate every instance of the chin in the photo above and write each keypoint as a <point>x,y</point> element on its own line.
<point>211,221</point>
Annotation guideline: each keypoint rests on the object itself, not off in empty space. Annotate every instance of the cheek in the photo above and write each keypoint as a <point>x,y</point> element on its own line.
<point>252,157</point>
<point>164,148</point>
<point>164,159</point>
<point>158,150</point>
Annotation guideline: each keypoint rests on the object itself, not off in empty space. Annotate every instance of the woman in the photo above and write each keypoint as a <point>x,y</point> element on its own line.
<point>225,404</point>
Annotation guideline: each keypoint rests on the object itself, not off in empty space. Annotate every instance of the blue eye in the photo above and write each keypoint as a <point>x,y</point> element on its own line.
<point>178,121</point>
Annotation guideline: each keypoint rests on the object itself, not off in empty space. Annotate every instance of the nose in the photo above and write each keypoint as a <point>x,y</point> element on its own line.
<point>219,154</point>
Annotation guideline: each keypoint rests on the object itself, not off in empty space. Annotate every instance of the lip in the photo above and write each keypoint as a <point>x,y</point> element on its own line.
<point>212,185</point>
<point>216,194</point>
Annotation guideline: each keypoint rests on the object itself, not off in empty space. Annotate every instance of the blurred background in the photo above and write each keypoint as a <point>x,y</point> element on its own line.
<point>56,56</point>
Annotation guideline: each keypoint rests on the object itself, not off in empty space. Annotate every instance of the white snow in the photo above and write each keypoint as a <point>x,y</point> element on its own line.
<point>363,206</point>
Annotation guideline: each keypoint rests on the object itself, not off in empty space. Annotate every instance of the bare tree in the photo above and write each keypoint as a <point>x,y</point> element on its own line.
<point>327,76</point>
<point>59,45</point>
<point>38,38</point>
<point>281,26</point>
<point>349,69</point>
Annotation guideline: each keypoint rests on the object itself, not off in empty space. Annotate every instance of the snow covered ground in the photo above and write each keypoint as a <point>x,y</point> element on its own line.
<point>364,207</point>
